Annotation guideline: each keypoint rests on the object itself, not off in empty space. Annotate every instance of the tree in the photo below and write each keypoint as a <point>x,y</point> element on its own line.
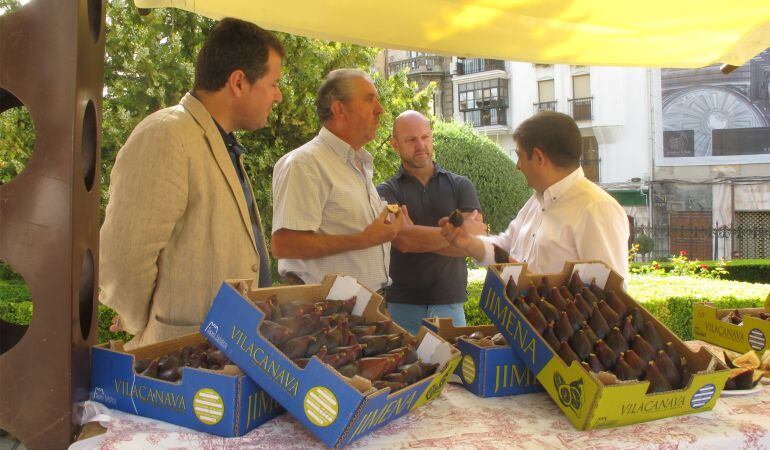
<point>502,189</point>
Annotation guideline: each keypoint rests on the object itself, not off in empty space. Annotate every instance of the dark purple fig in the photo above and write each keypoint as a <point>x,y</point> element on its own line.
<point>575,283</point>
<point>575,317</point>
<point>270,307</point>
<point>348,305</point>
<point>374,368</point>
<point>673,353</point>
<point>395,341</point>
<point>636,362</point>
<point>557,300</point>
<point>274,332</point>
<point>536,319</point>
<point>651,335</point>
<point>296,347</point>
<point>349,370</point>
<point>589,296</point>
<point>510,288</point>
<point>583,306</point>
<point>320,341</point>
<point>658,382</point>
<point>567,354</point>
<point>355,320</point>
<point>686,376</point>
<point>393,386</point>
<point>290,309</point>
<point>581,345</point>
<point>744,378</point>
<point>543,289</point>
<point>667,368</point>
<point>383,326</point>
<point>302,325</point>
<point>215,357</point>
<point>397,377</point>
<point>590,333</point>
<point>349,353</point>
<point>427,369</point>
<point>477,335</point>
<point>375,344</point>
<point>335,337</point>
<point>637,319</point>
<point>730,385</point>
<point>565,293</point>
<point>532,296</point>
<point>364,330</point>
<point>170,374</point>
<point>612,318</point>
<point>456,218</point>
<point>585,366</point>
<point>642,348</point>
<point>151,370</point>
<point>550,337</point>
<point>599,324</point>
<point>598,292</point>
<point>301,362</point>
<point>549,311</point>
<point>624,371</point>
<point>616,303</point>
<point>141,365</point>
<point>616,341</point>
<point>627,329</point>
<point>735,317</point>
<point>605,354</point>
<point>521,304</point>
<point>563,328</point>
<point>594,363</point>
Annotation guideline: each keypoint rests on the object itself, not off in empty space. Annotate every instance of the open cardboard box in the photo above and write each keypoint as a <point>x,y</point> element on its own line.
<point>752,334</point>
<point>585,400</point>
<point>226,403</point>
<point>324,401</point>
<point>485,371</point>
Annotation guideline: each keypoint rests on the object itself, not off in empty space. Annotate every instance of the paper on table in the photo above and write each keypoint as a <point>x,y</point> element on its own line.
<point>591,271</point>
<point>345,287</point>
<point>511,271</point>
<point>433,350</point>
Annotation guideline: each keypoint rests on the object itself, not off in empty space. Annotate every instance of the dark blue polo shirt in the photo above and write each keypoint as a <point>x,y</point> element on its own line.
<point>235,150</point>
<point>428,278</point>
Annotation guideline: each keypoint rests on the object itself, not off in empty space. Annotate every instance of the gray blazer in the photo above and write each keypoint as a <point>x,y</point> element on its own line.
<point>176,225</point>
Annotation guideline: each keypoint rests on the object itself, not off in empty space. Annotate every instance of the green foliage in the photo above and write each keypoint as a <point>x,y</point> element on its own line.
<point>13,291</point>
<point>502,189</point>
<point>7,273</point>
<point>105,319</point>
<point>646,244</point>
<point>748,270</point>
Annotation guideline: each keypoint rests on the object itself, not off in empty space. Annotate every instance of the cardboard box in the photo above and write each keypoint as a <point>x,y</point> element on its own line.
<point>752,334</point>
<point>485,371</point>
<point>204,400</point>
<point>587,402</point>
<point>318,396</point>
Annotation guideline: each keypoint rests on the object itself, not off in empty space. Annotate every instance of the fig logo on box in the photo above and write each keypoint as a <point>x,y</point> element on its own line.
<point>570,394</point>
<point>212,330</point>
<point>321,406</point>
<point>702,396</point>
<point>757,339</point>
<point>469,369</point>
<point>101,396</point>
<point>208,406</point>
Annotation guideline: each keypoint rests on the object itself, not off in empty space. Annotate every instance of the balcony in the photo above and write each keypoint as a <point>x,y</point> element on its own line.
<point>580,108</point>
<point>420,65</point>
<point>476,65</point>
<point>545,106</point>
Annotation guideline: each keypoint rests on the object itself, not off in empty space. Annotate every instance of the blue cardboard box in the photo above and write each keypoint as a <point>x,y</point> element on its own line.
<point>226,403</point>
<point>325,402</point>
<point>485,371</point>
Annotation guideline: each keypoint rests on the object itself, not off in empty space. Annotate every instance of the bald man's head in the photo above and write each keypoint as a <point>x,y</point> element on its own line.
<point>413,140</point>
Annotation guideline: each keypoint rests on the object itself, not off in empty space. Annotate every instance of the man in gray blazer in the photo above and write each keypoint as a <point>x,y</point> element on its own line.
<point>181,216</point>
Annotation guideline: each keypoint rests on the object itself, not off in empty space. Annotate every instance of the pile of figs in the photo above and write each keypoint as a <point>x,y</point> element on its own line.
<point>169,367</point>
<point>605,335</point>
<point>355,347</point>
<point>736,318</point>
<point>482,340</point>
<point>746,370</point>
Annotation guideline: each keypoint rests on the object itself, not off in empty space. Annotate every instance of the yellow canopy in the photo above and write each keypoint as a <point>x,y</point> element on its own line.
<point>655,33</point>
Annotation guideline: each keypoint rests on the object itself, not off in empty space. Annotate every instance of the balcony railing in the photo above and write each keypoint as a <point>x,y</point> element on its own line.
<point>475,65</point>
<point>420,64</point>
<point>545,106</point>
<point>580,108</point>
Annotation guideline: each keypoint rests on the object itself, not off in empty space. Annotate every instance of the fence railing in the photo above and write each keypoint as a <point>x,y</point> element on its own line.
<point>545,106</point>
<point>729,242</point>
<point>580,108</point>
<point>427,63</point>
<point>475,65</point>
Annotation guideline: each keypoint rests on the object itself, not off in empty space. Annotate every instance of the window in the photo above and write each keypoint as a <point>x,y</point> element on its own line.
<point>580,103</point>
<point>590,159</point>
<point>581,86</point>
<point>546,96</point>
<point>484,102</point>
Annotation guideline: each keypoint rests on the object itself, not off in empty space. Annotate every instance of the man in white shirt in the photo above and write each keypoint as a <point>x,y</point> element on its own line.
<point>327,215</point>
<point>567,218</point>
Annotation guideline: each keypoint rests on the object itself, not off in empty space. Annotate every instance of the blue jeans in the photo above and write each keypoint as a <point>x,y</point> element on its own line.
<point>409,317</point>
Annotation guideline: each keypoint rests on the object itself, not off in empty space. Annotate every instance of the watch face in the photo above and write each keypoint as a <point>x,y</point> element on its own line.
<point>696,113</point>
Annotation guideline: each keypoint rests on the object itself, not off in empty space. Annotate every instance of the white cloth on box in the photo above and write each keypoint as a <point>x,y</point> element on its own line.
<point>574,219</point>
<point>318,187</point>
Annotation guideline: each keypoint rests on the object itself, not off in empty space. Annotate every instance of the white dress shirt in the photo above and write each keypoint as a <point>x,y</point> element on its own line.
<point>326,187</point>
<point>574,219</point>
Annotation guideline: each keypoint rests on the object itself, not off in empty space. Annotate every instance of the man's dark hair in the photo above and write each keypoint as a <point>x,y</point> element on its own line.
<point>556,134</point>
<point>231,45</point>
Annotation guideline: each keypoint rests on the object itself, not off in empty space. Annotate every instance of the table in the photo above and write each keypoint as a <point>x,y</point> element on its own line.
<point>459,419</point>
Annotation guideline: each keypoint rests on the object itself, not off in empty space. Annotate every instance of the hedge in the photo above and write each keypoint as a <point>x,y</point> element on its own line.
<point>502,189</point>
<point>749,270</point>
<point>668,298</point>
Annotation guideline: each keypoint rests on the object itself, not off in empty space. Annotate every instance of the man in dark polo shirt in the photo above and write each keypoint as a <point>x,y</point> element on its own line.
<point>429,277</point>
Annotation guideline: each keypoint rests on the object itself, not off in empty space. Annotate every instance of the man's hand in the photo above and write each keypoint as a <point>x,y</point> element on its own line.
<point>383,229</point>
<point>474,224</point>
<point>116,326</point>
<point>457,236</point>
